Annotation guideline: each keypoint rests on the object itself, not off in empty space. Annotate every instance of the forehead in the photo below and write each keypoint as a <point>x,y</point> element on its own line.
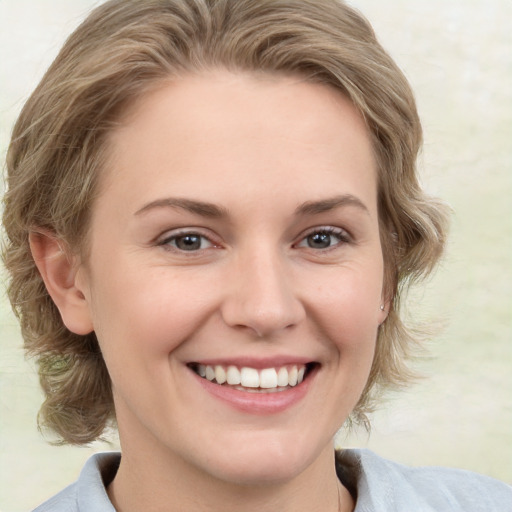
<point>202,128</point>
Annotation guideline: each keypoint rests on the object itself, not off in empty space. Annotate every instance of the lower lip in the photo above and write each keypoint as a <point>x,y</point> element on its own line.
<point>258,403</point>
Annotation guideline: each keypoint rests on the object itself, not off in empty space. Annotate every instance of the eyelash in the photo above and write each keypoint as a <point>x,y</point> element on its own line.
<point>170,242</point>
<point>328,231</point>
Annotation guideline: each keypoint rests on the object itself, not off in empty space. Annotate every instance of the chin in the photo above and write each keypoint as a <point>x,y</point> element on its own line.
<point>265,461</point>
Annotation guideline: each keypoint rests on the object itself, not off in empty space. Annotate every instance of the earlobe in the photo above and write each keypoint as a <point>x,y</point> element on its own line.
<point>384,310</point>
<point>59,271</point>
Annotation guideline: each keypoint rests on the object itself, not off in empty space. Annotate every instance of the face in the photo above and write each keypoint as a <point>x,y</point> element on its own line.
<point>235,273</point>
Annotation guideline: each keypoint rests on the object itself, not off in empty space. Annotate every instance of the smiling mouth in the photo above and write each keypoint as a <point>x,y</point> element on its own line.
<point>252,380</point>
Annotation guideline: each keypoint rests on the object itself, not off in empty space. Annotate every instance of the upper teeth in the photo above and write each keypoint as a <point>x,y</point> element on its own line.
<point>267,378</point>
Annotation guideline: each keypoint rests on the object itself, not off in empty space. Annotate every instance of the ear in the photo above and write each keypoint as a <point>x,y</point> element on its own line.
<point>384,309</point>
<point>60,271</point>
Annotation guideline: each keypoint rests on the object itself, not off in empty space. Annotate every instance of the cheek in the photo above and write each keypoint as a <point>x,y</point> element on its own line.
<point>349,306</point>
<point>142,318</point>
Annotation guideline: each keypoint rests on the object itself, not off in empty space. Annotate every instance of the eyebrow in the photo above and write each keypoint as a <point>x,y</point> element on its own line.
<point>214,211</point>
<point>201,208</point>
<point>325,205</point>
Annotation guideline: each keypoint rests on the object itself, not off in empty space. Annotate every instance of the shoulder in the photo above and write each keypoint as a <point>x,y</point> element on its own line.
<point>88,493</point>
<point>65,501</point>
<point>388,486</point>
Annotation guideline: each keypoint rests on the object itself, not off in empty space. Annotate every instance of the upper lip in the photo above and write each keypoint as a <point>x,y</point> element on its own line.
<point>258,363</point>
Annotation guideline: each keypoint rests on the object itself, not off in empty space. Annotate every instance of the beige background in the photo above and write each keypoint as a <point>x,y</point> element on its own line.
<point>458,56</point>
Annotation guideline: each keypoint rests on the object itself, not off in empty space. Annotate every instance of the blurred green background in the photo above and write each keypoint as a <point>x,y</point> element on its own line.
<point>458,56</point>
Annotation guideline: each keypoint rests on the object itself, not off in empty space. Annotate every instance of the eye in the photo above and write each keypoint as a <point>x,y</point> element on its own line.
<point>324,238</point>
<point>188,242</point>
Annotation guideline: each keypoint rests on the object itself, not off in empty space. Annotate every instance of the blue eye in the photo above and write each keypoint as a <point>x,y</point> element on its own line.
<point>187,242</point>
<point>324,238</point>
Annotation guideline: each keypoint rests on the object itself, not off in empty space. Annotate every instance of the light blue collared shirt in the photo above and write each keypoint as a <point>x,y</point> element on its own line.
<point>381,486</point>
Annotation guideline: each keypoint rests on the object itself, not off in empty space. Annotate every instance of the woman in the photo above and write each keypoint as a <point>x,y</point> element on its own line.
<point>212,209</point>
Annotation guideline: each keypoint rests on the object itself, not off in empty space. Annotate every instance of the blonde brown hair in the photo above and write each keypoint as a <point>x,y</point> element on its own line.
<point>126,47</point>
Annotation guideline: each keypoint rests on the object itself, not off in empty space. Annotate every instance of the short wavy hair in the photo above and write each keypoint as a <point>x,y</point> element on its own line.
<point>120,52</point>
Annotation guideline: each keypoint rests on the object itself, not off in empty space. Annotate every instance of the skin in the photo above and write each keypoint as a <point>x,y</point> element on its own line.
<point>281,159</point>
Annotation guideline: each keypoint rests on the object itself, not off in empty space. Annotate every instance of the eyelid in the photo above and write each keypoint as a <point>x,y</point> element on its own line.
<point>171,234</point>
<point>344,236</point>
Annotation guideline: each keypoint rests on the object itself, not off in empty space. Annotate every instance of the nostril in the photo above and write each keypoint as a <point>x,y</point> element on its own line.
<point>263,323</point>
<point>260,298</point>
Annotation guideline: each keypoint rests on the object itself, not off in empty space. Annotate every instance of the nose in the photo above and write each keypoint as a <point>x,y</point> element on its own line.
<point>260,295</point>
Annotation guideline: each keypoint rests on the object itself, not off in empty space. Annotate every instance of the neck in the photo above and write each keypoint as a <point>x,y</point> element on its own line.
<point>167,483</point>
